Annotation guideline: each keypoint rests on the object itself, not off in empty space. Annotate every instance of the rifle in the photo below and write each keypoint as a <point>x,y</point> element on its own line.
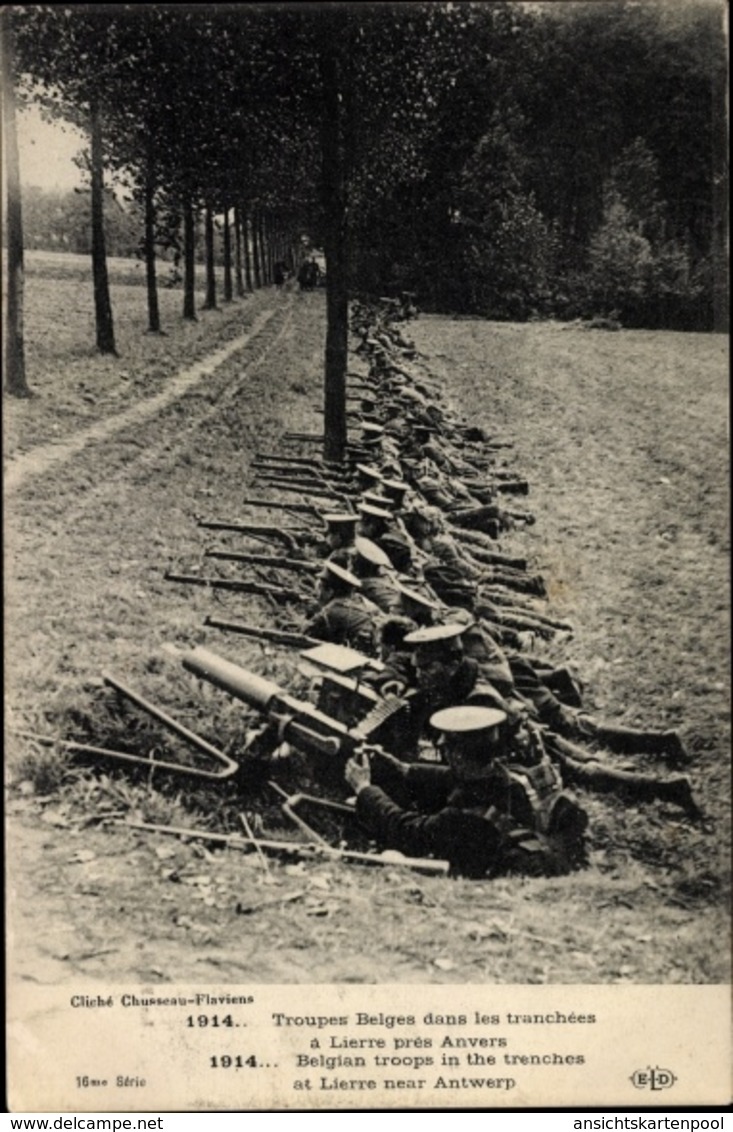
<point>237,585</point>
<point>273,560</point>
<point>260,533</point>
<point>262,529</point>
<point>308,850</point>
<point>299,508</point>
<point>291,463</point>
<point>320,477</point>
<point>306,487</point>
<point>276,636</point>
<point>308,461</point>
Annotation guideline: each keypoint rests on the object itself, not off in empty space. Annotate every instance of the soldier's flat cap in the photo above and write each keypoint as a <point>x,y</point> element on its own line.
<point>395,489</point>
<point>468,732</point>
<point>338,519</point>
<point>435,635</point>
<point>370,552</point>
<point>413,597</point>
<point>375,500</point>
<point>466,718</point>
<point>335,571</point>
<point>374,512</point>
<point>369,472</point>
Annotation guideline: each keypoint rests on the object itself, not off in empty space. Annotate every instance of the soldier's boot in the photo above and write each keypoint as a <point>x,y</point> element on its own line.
<point>531,584</point>
<point>667,744</point>
<point>628,740</point>
<point>564,685</point>
<point>678,790</point>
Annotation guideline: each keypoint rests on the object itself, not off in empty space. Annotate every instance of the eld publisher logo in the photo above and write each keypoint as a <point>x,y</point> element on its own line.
<point>654,1079</point>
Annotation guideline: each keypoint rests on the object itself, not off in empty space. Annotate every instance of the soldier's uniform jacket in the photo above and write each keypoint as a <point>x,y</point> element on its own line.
<point>466,686</point>
<point>350,620</point>
<point>518,819</point>
<point>382,592</point>
<point>397,549</point>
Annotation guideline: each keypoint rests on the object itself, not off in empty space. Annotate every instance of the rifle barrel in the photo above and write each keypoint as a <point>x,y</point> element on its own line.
<point>277,636</point>
<point>248,528</point>
<point>308,849</point>
<point>265,560</point>
<point>237,585</point>
<point>278,505</point>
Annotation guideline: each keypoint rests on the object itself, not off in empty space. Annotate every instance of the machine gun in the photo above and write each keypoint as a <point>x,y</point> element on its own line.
<point>291,720</point>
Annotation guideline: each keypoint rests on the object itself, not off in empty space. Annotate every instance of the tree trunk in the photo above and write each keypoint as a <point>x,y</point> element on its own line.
<point>238,277</point>
<point>189,261</point>
<point>15,381</point>
<point>337,303</point>
<point>102,303</point>
<point>265,250</point>
<point>228,289</point>
<point>150,277</point>
<point>721,297</point>
<point>247,249</point>
<point>254,224</point>
<point>210,303</point>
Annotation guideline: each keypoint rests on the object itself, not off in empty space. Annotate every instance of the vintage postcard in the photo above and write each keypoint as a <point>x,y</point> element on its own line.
<point>367,556</point>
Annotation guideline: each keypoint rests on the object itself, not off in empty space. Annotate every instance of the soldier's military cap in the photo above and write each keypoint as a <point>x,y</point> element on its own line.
<point>369,472</point>
<point>338,521</point>
<point>339,572</point>
<point>470,738</point>
<point>466,719</point>
<point>413,597</point>
<point>415,605</point>
<point>370,552</point>
<point>375,500</point>
<point>395,489</point>
<point>371,433</point>
<point>435,635</point>
<point>375,512</point>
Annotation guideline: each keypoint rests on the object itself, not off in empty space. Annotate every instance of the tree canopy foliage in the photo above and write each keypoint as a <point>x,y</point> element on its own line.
<point>502,159</point>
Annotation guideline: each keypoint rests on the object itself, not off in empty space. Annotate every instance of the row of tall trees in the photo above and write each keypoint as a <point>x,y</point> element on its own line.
<point>576,165</point>
<point>499,158</point>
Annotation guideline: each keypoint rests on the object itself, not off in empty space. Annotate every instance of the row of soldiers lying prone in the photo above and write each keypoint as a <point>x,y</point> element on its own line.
<point>470,739</point>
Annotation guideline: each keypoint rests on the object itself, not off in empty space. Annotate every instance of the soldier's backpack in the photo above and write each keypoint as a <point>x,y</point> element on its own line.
<point>542,826</point>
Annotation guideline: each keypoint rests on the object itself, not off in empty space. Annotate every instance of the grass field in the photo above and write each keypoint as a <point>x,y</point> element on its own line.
<point>623,439</point>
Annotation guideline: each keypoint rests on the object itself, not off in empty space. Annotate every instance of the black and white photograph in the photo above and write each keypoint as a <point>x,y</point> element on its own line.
<point>367,572</point>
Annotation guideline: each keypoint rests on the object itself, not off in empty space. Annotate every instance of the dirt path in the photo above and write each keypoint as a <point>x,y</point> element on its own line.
<point>42,459</point>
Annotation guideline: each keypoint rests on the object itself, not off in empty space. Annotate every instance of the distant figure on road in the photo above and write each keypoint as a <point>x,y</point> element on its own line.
<point>279,274</point>
<point>309,274</point>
